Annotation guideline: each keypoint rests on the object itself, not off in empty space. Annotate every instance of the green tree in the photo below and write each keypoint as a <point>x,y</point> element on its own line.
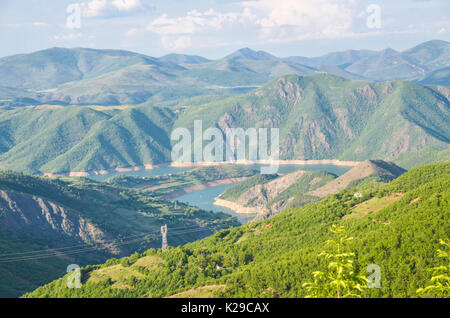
<point>440,281</point>
<point>341,279</point>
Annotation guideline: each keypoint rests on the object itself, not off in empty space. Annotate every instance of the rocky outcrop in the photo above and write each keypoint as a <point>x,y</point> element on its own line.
<point>260,195</point>
<point>46,220</point>
<point>266,200</point>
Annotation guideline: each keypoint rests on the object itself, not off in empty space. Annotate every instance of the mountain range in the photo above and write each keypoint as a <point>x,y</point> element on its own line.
<point>113,77</point>
<point>323,116</point>
<point>75,112</point>
<point>320,116</point>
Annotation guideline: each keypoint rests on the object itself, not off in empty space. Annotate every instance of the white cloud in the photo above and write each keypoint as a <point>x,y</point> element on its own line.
<point>66,37</point>
<point>263,21</point>
<point>95,8</point>
<point>302,19</point>
<point>126,5</point>
<point>270,20</point>
<point>98,8</point>
<point>176,33</point>
<point>195,21</point>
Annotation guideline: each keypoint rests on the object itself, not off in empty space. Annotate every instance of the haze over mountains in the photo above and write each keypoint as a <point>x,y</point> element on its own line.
<point>113,77</point>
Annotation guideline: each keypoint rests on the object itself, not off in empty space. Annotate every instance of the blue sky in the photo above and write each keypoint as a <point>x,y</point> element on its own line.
<point>215,28</point>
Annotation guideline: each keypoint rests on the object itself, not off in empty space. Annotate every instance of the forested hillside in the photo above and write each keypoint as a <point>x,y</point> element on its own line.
<point>319,116</point>
<point>397,226</point>
<point>61,139</point>
<point>323,116</point>
<point>267,195</point>
<point>47,224</point>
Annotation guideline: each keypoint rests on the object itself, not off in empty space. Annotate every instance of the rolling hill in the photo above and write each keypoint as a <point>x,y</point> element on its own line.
<point>47,224</point>
<point>268,195</point>
<point>106,77</point>
<point>81,76</point>
<point>396,226</point>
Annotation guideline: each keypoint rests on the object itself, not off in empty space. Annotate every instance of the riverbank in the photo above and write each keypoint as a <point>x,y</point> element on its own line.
<point>202,164</point>
<point>240,209</point>
<point>215,183</point>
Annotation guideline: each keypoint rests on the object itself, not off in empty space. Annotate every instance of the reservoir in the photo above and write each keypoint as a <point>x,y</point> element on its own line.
<point>205,198</point>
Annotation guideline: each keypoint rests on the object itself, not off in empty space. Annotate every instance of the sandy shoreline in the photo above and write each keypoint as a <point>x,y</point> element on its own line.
<point>203,186</point>
<point>202,164</point>
<point>235,207</point>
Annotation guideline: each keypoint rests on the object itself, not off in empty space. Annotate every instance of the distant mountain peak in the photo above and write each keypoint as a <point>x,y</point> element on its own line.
<point>388,51</point>
<point>249,54</point>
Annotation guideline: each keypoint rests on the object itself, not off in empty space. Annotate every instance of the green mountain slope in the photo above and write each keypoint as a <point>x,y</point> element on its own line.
<point>267,195</point>
<point>320,117</point>
<point>47,224</point>
<point>60,139</point>
<point>323,116</point>
<point>433,54</point>
<point>387,65</point>
<point>369,170</point>
<point>396,225</point>
<point>438,77</point>
<point>105,77</point>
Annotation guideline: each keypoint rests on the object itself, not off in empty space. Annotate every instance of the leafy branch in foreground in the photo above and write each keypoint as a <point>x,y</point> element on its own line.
<point>340,281</point>
<point>441,276</point>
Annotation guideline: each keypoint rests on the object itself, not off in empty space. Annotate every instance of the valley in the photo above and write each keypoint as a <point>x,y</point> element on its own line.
<point>274,257</point>
<point>88,175</point>
<point>49,223</point>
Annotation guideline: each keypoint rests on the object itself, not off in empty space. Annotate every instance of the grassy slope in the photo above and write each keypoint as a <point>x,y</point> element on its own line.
<point>120,213</point>
<point>275,257</point>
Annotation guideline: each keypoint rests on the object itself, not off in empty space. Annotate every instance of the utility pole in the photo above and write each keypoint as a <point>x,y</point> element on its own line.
<point>164,237</point>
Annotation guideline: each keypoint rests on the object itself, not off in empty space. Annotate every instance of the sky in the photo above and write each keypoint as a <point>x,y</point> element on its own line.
<point>215,28</point>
